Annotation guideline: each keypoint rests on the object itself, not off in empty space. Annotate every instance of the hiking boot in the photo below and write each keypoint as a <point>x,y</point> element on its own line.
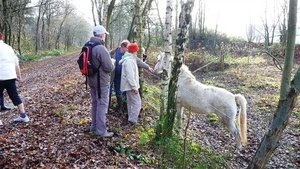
<point>133,123</point>
<point>106,134</point>
<point>21,119</point>
<point>3,108</point>
<point>1,124</point>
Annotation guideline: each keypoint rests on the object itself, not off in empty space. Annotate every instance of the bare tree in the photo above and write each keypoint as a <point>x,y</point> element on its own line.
<point>282,25</point>
<point>93,11</point>
<point>184,21</point>
<point>167,68</point>
<point>108,17</point>
<point>68,9</point>
<point>269,25</point>
<point>104,13</point>
<point>289,92</point>
<point>12,18</point>
<point>250,33</point>
<point>38,19</point>
<point>145,21</point>
<point>159,17</point>
<point>97,5</point>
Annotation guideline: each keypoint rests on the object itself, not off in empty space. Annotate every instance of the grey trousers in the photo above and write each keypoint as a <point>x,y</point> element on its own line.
<point>133,105</point>
<point>99,109</point>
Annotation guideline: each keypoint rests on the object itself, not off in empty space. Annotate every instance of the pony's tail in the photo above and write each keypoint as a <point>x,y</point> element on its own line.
<point>242,118</point>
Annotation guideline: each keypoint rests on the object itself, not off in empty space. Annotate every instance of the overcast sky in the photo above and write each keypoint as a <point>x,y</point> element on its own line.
<point>231,16</point>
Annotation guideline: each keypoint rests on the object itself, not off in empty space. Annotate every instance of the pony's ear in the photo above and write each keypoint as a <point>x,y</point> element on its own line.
<point>159,55</point>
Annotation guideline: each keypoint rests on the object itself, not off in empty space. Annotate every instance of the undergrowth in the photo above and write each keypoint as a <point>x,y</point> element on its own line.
<point>196,156</point>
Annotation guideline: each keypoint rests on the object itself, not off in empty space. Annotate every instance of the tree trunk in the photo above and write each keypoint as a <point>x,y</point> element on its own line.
<point>167,68</point>
<point>184,20</point>
<point>109,14</point>
<point>160,20</point>
<point>290,49</point>
<point>280,120</point>
<point>67,11</point>
<point>139,35</point>
<point>288,98</point>
<point>37,37</point>
<point>93,12</point>
<point>145,22</point>
<point>104,13</point>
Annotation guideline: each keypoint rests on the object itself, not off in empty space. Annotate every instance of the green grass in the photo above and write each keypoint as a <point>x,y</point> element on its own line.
<point>196,156</point>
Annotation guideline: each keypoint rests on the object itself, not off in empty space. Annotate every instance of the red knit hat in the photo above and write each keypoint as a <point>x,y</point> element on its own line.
<point>132,47</point>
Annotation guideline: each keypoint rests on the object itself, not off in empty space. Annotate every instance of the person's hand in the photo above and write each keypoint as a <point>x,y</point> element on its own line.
<point>113,51</point>
<point>151,70</point>
<point>136,91</point>
<point>113,60</point>
<point>19,78</point>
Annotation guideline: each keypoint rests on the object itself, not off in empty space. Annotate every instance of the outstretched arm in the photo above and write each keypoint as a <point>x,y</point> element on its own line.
<point>143,65</point>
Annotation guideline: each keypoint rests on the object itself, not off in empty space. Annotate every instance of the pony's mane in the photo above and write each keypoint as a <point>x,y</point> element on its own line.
<point>185,70</point>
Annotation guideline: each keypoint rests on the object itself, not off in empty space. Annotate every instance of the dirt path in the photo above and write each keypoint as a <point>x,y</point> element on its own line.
<point>58,106</point>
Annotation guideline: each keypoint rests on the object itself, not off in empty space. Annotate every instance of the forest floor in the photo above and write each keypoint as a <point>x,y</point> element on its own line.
<point>58,106</point>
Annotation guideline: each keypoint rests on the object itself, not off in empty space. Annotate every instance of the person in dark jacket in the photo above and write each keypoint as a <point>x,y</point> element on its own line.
<point>102,59</point>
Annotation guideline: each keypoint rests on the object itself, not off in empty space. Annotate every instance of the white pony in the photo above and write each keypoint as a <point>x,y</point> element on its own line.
<point>203,99</point>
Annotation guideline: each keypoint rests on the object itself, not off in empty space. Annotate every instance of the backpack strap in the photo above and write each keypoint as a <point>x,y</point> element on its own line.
<point>90,55</point>
<point>98,83</point>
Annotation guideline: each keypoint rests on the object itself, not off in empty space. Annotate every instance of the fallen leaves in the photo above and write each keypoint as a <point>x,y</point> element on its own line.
<point>58,105</point>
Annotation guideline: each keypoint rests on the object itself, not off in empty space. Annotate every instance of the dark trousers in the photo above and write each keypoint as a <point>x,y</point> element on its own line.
<point>11,88</point>
<point>116,84</point>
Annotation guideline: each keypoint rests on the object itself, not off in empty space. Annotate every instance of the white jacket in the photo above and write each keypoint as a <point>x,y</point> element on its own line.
<point>8,62</point>
<point>130,74</point>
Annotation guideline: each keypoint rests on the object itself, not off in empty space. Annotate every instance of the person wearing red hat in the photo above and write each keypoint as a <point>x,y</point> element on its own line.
<point>9,74</point>
<point>118,54</point>
<point>130,82</point>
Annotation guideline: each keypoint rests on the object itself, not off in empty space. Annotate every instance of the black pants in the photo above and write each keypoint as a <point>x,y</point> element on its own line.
<point>11,88</point>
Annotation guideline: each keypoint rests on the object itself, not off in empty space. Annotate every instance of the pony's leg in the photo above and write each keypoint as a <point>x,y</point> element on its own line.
<point>179,116</point>
<point>233,129</point>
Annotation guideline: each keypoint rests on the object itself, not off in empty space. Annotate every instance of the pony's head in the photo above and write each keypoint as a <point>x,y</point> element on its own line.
<point>159,67</point>
<point>185,72</point>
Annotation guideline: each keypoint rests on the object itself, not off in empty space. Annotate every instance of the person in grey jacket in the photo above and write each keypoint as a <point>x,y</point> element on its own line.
<point>117,54</point>
<point>101,59</point>
<point>130,82</point>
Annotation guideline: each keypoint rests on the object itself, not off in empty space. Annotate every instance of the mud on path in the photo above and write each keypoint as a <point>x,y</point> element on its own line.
<point>58,106</point>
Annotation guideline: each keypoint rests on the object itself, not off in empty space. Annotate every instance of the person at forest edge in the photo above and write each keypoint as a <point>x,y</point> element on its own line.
<point>9,74</point>
<point>130,82</point>
<point>117,54</point>
<point>100,57</point>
